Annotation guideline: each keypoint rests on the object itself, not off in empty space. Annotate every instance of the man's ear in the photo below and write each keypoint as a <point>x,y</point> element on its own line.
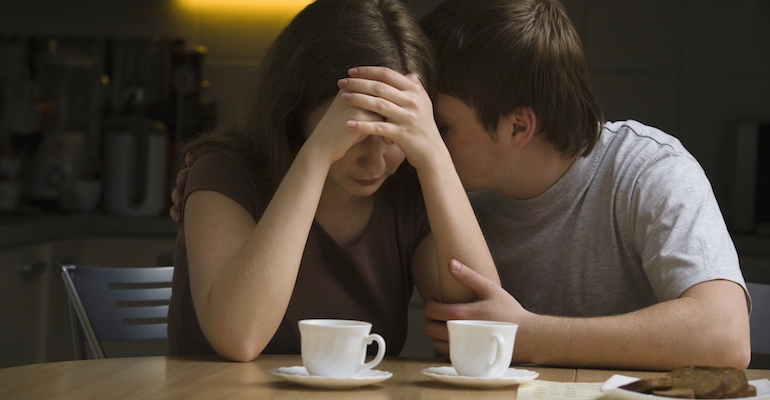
<point>520,125</point>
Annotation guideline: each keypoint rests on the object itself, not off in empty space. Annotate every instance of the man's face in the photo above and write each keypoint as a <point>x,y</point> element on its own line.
<point>473,151</point>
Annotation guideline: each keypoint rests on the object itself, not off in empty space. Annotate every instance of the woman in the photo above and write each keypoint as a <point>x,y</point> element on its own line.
<point>292,214</point>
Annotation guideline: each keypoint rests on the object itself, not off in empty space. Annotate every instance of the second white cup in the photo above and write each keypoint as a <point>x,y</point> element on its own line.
<point>481,348</point>
<point>337,348</point>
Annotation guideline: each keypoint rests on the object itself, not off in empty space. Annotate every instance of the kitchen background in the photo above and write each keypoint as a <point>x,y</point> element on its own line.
<point>96,96</point>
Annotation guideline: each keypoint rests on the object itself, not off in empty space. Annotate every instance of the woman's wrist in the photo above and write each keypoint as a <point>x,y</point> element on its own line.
<point>313,156</point>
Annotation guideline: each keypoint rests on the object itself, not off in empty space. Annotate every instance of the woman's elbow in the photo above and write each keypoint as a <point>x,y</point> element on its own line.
<point>239,353</point>
<point>239,350</point>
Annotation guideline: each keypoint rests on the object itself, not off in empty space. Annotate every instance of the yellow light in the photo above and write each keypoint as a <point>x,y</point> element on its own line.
<point>275,7</point>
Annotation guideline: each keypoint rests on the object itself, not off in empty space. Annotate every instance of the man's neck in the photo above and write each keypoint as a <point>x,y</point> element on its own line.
<point>539,167</point>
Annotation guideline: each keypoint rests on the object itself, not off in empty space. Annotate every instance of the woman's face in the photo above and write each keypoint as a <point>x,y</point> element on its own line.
<point>365,166</point>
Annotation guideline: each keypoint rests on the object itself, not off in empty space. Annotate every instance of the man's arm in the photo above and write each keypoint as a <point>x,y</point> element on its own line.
<point>707,325</point>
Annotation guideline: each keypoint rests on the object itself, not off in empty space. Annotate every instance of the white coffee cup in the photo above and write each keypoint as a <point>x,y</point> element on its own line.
<point>337,348</point>
<point>481,348</point>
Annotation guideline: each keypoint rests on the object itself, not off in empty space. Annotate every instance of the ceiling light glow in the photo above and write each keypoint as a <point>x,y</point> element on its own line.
<point>280,7</point>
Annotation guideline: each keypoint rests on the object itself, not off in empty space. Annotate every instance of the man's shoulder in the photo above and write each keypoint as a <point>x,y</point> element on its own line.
<point>635,135</point>
<point>631,144</point>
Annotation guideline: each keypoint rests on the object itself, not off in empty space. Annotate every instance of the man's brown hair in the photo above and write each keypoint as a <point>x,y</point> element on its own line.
<point>500,55</point>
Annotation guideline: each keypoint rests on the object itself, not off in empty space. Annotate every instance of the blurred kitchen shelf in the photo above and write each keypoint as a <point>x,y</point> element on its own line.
<point>20,230</point>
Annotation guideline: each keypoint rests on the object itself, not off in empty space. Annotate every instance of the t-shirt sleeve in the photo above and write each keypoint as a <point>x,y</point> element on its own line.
<point>219,172</point>
<point>679,229</point>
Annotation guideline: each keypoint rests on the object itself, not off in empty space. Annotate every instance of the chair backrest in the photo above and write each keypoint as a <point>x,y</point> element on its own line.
<point>760,317</point>
<point>117,304</point>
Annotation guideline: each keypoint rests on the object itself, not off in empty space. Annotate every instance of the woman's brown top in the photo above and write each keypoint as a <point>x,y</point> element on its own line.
<point>369,281</point>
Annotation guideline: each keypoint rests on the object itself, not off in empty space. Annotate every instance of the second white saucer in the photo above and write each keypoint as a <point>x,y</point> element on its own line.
<point>512,376</point>
<point>298,374</point>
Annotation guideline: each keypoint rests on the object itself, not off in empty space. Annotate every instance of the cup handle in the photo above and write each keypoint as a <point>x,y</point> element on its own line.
<point>380,351</point>
<point>499,355</point>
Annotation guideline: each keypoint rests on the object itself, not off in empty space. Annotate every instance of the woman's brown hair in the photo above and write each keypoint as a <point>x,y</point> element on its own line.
<point>300,70</point>
<point>500,55</point>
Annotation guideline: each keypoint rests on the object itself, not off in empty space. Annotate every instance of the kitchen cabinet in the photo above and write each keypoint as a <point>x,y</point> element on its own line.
<point>29,299</point>
<point>21,298</point>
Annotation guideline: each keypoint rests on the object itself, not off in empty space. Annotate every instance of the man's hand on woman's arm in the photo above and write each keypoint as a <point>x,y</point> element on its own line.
<point>707,325</point>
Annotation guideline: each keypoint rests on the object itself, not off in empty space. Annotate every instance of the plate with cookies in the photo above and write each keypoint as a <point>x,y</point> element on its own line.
<point>695,382</point>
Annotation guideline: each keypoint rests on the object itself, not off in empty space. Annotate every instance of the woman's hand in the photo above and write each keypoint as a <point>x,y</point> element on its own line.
<point>327,130</point>
<point>405,105</point>
<point>409,123</point>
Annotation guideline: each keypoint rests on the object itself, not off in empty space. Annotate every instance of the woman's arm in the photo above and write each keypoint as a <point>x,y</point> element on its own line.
<point>242,272</point>
<point>409,123</point>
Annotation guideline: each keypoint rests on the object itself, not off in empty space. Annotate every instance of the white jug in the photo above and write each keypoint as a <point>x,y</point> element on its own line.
<point>135,177</point>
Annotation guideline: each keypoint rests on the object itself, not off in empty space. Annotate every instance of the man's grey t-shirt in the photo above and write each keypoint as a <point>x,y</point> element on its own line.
<point>633,224</point>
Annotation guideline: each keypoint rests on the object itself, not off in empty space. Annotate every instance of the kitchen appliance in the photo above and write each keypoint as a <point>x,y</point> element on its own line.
<point>59,164</point>
<point>67,82</point>
<point>751,183</point>
<point>135,156</point>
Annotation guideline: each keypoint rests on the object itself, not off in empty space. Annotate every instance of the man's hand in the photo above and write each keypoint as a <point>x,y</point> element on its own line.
<point>493,303</point>
<point>177,194</point>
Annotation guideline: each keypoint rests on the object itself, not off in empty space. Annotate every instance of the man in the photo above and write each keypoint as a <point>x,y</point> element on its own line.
<point>609,243</point>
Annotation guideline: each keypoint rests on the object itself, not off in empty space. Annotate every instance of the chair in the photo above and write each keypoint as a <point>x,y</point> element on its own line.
<point>760,324</point>
<point>116,304</point>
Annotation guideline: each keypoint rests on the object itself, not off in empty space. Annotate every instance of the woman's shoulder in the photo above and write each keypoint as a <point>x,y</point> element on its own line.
<point>212,164</point>
<point>226,172</point>
<point>223,163</point>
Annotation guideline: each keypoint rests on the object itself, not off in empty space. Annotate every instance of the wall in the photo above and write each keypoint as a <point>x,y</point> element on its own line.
<point>689,67</point>
<point>692,68</point>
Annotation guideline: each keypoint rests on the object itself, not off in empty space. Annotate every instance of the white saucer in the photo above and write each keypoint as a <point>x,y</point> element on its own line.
<point>299,374</point>
<point>512,376</point>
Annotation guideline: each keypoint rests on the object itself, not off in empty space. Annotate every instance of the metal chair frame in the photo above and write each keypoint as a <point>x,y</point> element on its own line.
<point>116,304</point>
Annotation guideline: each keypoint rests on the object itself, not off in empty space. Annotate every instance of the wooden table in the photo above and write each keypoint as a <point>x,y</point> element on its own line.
<point>191,378</point>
